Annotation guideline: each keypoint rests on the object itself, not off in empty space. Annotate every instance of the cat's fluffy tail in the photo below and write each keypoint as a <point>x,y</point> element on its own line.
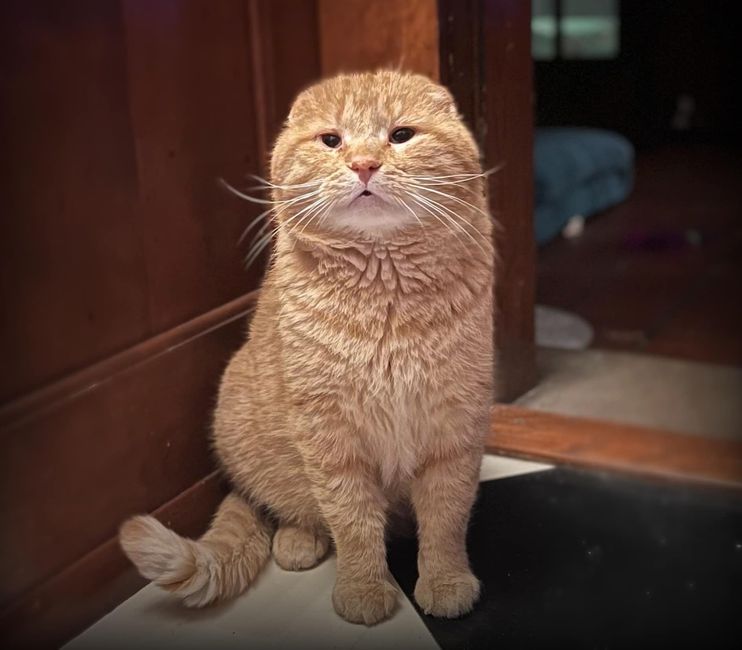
<point>220,565</point>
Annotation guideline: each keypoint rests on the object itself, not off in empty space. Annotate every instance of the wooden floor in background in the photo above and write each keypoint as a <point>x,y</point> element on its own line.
<point>660,273</point>
<point>615,447</point>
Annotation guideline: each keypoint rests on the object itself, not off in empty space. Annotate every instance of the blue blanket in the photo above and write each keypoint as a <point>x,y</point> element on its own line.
<point>578,171</point>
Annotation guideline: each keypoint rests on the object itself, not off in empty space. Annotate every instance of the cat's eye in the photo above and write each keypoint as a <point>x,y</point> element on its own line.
<point>330,140</point>
<point>400,135</point>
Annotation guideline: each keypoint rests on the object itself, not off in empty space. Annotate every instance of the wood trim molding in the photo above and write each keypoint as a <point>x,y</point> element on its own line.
<point>83,592</point>
<point>35,404</point>
<point>121,437</point>
<point>615,447</point>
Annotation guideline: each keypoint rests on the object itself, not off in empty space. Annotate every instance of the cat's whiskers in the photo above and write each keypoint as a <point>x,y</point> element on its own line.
<point>257,248</point>
<point>255,199</point>
<point>411,211</point>
<point>305,216</point>
<point>321,214</point>
<point>452,197</point>
<point>450,180</point>
<point>471,190</point>
<point>317,215</point>
<point>302,214</point>
<point>268,184</point>
<point>261,242</point>
<point>451,219</point>
<point>402,189</point>
<point>441,181</point>
<point>465,176</point>
<point>276,209</point>
<point>495,223</point>
<point>432,212</point>
<point>326,212</point>
<point>259,235</point>
<point>309,216</point>
<point>261,217</point>
<point>457,217</point>
<point>450,216</point>
<point>315,209</point>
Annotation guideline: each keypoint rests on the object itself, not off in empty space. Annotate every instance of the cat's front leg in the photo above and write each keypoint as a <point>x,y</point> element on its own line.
<point>354,509</point>
<point>443,493</point>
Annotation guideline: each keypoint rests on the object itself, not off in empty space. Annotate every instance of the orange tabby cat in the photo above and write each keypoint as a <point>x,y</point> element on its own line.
<point>366,381</point>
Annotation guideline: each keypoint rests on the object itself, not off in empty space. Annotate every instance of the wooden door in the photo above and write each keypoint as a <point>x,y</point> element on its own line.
<point>122,284</point>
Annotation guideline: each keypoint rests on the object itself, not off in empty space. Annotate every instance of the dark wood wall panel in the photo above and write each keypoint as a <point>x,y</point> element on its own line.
<point>124,291</point>
<point>52,613</point>
<point>115,227</point>
<point>70,473</point>
<point>193,112</point>
<point>362,35</point>
<point>297,58</point>
<point>71,259</point>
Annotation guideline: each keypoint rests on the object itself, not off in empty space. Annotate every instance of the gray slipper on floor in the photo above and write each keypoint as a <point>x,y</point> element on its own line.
<point>556,328</point>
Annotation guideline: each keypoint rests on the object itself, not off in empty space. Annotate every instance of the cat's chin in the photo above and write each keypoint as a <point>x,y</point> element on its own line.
<point>371,216</point>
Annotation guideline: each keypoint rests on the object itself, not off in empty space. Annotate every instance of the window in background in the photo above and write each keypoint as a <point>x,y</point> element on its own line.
<point>589,29</point>
<point>544,30</point>
<point>575,29</point>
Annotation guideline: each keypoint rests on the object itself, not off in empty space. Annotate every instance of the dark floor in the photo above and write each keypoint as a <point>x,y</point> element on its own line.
<point>660,273</point>
<point>581,560</point>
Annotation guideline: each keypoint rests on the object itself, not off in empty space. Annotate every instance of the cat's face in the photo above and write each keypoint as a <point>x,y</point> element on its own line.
<point>370,153</point>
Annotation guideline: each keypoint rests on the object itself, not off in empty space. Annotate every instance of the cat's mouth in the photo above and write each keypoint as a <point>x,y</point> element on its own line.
<point>363,195</point>
<point>368,200</point>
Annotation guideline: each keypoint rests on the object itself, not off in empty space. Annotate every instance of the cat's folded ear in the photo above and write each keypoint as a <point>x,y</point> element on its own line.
<point>302,104</point>
<point>443,99</point>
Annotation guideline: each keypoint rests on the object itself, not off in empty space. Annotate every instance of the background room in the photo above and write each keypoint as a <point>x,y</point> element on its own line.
<point>609,503</point>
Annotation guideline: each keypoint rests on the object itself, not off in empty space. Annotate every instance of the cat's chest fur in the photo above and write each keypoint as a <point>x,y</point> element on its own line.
<point>379,315</point>
<point>379,330</point>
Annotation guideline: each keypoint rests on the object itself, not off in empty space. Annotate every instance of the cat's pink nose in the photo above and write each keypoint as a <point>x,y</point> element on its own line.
<point>364,167</point>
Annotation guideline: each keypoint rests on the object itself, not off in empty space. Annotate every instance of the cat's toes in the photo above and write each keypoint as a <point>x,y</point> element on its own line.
<point>367,603</point>
<point>295,549</point>
<point>447,595</point>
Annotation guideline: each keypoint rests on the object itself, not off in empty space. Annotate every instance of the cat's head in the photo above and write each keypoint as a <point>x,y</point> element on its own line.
<point>373,152</point>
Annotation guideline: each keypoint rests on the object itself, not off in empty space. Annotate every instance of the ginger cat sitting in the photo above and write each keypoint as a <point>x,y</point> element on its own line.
<point>366,382</point>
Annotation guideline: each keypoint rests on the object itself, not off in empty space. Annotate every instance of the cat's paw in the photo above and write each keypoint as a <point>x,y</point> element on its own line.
<point>295,548</point>
<point>447,595</point>
<point>368,603</point>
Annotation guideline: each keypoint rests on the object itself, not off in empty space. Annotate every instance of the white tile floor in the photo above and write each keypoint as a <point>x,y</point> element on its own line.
<point>281,610</point>
<point>684,396</point>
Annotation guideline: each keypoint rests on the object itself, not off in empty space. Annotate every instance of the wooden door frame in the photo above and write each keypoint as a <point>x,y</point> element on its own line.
<point>485,60</point>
